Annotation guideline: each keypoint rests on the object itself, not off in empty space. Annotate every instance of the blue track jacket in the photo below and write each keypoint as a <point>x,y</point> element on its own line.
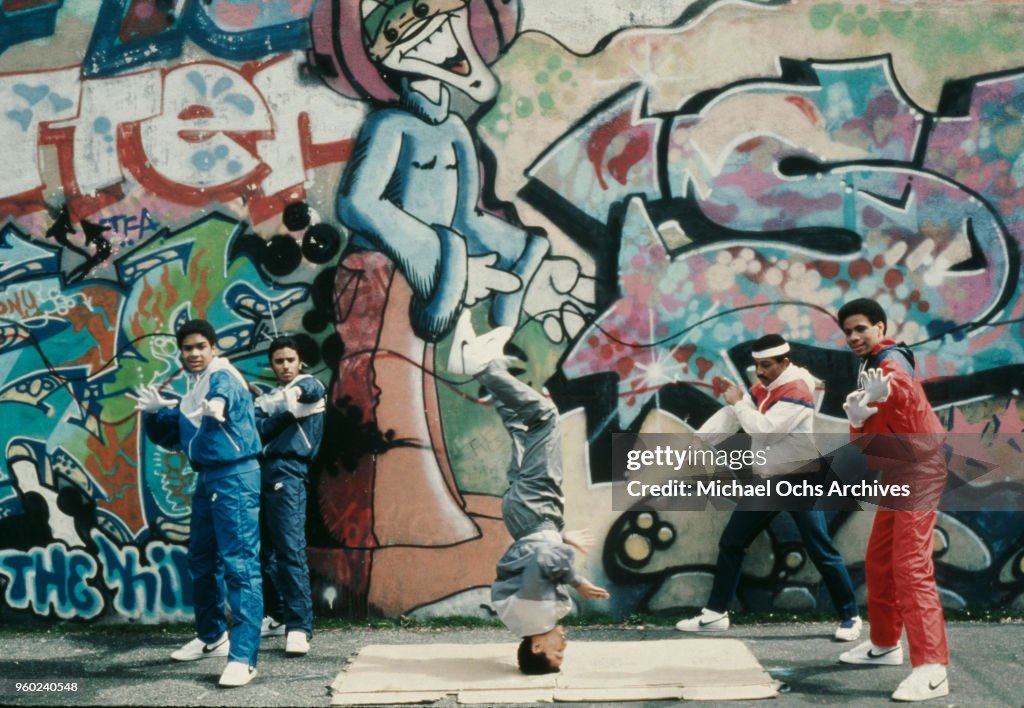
<point>289,444</point>
<point>210,446</point>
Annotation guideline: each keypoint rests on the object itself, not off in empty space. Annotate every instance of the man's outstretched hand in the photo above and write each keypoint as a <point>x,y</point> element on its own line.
<point>580,539</point>
<point>857,408</point>
<point>149,400</point>
<point>589,591</point>
<point>876,385</point>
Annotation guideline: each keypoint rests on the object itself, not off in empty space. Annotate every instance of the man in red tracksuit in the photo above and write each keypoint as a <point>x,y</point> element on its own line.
<point>901,437</point>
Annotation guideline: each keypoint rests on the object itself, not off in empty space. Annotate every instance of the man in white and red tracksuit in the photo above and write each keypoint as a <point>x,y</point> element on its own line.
<point>778,415</point>
<point>893,423</point>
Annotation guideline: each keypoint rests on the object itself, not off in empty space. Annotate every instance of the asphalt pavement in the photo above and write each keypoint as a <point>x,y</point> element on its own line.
<point>129,665</point>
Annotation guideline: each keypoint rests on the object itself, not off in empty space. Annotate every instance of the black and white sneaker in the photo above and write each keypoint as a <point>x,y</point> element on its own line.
<point>869,653</point>
<point>924,683</point>
<point>198,649</point>
<point>706,621</point>
<point>237,673</point>
<point>271,628</point>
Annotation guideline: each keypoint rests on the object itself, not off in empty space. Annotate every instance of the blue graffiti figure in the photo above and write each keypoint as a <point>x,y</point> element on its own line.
<point>412,187</point>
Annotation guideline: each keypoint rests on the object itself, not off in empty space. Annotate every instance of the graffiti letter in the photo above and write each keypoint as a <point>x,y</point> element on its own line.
<point>30,100</point>
<point>187,142</point>
<point>121,39</point>
<point>106,104</point>
<point>124,37</point>
<point>15,565</point>
<point>154,590</point>
<point>52,577</point>
<point>239,31</point>
<point>134,588</point>
<point>331,119</point>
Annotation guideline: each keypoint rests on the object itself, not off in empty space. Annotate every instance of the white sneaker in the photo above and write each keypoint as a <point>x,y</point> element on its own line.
<point>198,649</point>
<point>296,644</point>
<point>471,354</point>
<point>706,621</point>
<point>849,630</point>
<point>925,682</point>
<point>271,628</point>
<point>868,653</point>
<point>237,673</point>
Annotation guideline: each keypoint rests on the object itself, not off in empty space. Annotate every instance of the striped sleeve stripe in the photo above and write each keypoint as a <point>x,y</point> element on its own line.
<point>788,399</point>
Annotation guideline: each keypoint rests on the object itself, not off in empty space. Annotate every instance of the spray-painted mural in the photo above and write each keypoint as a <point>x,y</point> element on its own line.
<point>640,189</point>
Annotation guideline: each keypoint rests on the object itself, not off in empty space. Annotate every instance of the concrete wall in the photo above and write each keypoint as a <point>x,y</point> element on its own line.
<point>703,172</point>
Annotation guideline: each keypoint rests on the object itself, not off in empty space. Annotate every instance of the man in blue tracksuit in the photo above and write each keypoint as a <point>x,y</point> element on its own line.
<point>531,591</point>
<point>290,420</point>
<point>214,425</point>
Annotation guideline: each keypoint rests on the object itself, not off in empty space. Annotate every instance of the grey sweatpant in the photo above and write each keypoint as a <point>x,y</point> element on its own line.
<point>533,501</point>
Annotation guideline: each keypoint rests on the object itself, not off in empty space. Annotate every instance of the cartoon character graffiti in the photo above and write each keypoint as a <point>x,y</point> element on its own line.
<point>411,188</point>
<point>421,250</point>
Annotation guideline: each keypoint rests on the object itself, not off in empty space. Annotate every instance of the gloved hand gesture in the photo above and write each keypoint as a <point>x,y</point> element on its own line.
<point>273,403</point>
<point>149,400</point>
<point>875,385</point>
<point>857,409</point>
<point>214,408</point>
<point>302,410</point>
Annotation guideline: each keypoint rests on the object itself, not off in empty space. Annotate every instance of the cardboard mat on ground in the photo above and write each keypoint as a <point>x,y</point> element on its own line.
<point>690,669</point>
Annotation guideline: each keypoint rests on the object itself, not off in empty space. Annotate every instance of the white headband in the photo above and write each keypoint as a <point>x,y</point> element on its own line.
<point>774,351</point>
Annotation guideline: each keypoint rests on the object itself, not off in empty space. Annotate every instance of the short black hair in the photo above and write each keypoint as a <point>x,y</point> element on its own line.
<point>532,663</point>
<point>863,306</point>
<point>196,327</point>
<point>283,342</point>
<point>770,341</point>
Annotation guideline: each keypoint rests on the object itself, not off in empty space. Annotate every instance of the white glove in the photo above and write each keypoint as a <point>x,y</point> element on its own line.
<point>272,403</point>
<point>875,385</point>
<point>857,409</point>
<point>302,410</point>
<point>149,400</point>
<point>214,408</point>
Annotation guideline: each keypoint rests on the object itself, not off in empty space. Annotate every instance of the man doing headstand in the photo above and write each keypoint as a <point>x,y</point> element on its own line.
<point>530,593</point>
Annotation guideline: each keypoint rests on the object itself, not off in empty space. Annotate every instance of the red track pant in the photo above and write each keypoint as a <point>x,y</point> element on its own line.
<point>901,585</point>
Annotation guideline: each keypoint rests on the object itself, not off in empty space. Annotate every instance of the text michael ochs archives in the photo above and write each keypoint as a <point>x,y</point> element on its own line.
<point>695,487</point>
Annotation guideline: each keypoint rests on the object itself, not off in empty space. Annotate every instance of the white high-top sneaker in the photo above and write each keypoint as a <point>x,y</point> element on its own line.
<point>849,630</point>
<point>296,644</point>
<point>925,682</point>
<point>237,673</point>
<point>470,353</point>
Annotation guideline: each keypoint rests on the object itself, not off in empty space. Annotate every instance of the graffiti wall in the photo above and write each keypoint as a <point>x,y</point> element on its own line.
<point>639,189</point>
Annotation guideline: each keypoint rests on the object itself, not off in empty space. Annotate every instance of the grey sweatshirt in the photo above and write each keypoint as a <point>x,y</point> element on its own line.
<point>531,592</point>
